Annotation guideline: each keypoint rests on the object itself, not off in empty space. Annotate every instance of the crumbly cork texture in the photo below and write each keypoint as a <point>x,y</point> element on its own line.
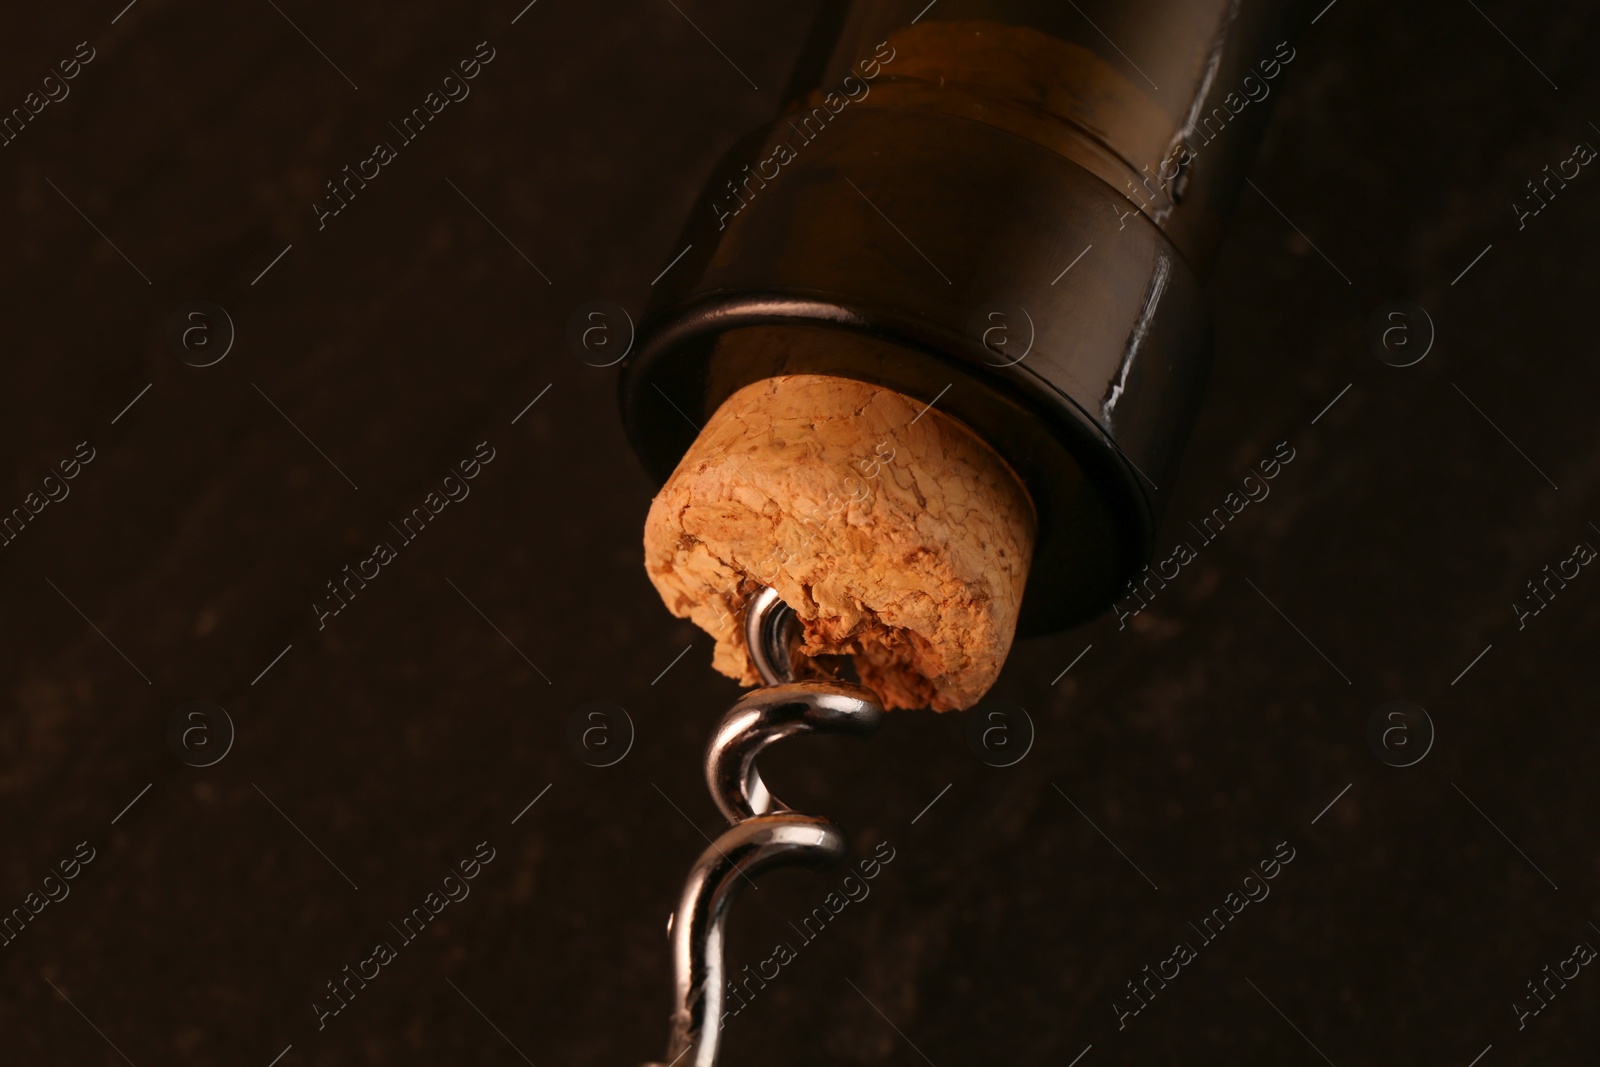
<point>898,537</point>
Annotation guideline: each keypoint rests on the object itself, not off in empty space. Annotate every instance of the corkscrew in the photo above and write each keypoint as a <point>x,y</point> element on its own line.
<point>764,833</point>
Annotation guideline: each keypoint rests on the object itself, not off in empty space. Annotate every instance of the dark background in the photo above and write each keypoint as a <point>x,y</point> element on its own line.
<point>408,730</point>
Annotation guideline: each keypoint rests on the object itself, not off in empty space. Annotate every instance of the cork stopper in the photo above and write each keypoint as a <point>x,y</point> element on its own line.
<point>898,537</point>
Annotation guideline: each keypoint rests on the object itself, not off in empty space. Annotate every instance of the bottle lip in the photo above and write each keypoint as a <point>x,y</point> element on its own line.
<point>1095,518</point>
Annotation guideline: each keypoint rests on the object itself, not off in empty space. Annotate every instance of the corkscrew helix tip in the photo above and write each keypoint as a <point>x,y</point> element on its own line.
<point>771,633</point>
<point>765,833</point>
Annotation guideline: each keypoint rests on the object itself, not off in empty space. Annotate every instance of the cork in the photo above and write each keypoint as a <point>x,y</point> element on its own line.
<point>899,538</point>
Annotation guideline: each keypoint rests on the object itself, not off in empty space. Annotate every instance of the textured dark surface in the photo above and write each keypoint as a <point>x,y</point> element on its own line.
<point>408,730</point>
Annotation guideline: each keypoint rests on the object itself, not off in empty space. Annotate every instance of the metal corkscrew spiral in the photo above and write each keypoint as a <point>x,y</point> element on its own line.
<point>765,833</point>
